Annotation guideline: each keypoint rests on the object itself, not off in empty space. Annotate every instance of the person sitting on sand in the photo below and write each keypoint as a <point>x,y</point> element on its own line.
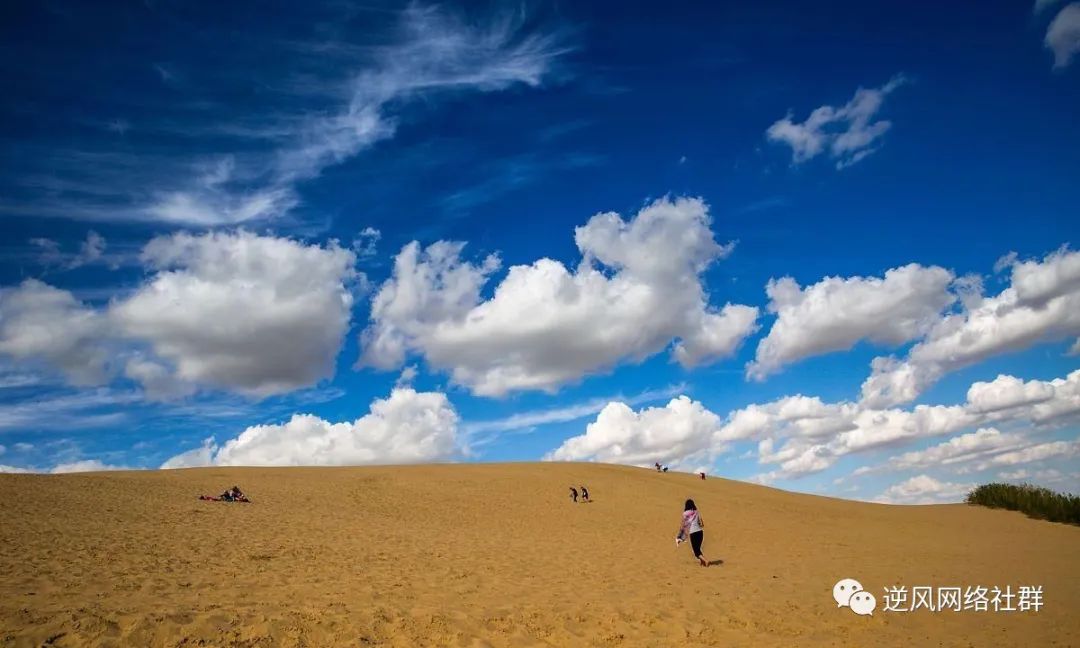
<point>234,494</point>
<point>573,494</point>
<point>584,494</point>
<point>693,526</point>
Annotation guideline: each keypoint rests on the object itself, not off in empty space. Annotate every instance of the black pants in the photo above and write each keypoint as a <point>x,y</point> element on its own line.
<point>695,542</point>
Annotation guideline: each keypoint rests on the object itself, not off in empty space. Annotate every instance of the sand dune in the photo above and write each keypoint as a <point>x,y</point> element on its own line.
<point>497,555</point>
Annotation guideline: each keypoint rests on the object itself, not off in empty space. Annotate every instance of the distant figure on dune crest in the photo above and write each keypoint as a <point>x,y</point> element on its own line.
<point>665,468</point>
<point>573,494</point>
<point>693,526</point>
<point>657,464</point>
<point>584,494</point>
<point>702,476</point>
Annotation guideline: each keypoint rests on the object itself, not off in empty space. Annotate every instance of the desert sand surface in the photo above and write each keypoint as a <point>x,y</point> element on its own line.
<point>497,555</point>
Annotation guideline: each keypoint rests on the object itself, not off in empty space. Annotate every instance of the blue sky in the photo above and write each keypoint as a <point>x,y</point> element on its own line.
<point>208,212</point>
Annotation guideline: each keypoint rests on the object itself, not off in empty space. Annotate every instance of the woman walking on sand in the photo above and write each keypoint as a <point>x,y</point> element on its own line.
<point>693,526</point>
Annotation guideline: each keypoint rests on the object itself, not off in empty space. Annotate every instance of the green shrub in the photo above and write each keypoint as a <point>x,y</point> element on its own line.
<point>1035,501</point>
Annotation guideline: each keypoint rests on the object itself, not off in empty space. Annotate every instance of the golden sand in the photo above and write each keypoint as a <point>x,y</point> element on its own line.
<point>497,555</point>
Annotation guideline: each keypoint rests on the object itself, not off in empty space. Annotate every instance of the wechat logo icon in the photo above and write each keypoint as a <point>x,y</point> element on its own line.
<point>849,593</point>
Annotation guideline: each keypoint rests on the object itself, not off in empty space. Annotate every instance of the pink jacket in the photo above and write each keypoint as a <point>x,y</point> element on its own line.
<point>691,522</point>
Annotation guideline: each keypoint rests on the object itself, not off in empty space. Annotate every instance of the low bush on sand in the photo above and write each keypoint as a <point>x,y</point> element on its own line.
<point>1035,501</point>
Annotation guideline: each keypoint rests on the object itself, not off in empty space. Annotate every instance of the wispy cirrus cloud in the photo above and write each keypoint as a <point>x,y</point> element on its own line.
<point>508,175</point>
<point>65,411</point>
<point>50,254</point>
<point>425,54</point>
<point>491,429</point>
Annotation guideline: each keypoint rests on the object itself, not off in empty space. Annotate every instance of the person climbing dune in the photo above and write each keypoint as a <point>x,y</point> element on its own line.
<point>693,527</point>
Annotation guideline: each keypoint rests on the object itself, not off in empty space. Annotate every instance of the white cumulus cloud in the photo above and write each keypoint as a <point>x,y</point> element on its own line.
<point>406,427</point>
<point>847,134</point>
<point>1006,392</point>
<point>1050,478</point>
<point>675,434</point>
<point>1063,35</point>
<point>158,381</point>
<point>1042,304</point>
<point>637,291</point>
<point>259,315</point>
<point>836,313</point>
<point>959,449</point>
<point>256,314</point>
<point>40,322</point>
<point>923,489</point>
<point>4,468</point>
<point>1033,454</point>
<point>85,465</point>
<point>799,435</point>
<point>1057,404</point>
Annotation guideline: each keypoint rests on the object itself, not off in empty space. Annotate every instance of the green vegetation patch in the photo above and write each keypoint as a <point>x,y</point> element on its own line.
<point>1035,501</point>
